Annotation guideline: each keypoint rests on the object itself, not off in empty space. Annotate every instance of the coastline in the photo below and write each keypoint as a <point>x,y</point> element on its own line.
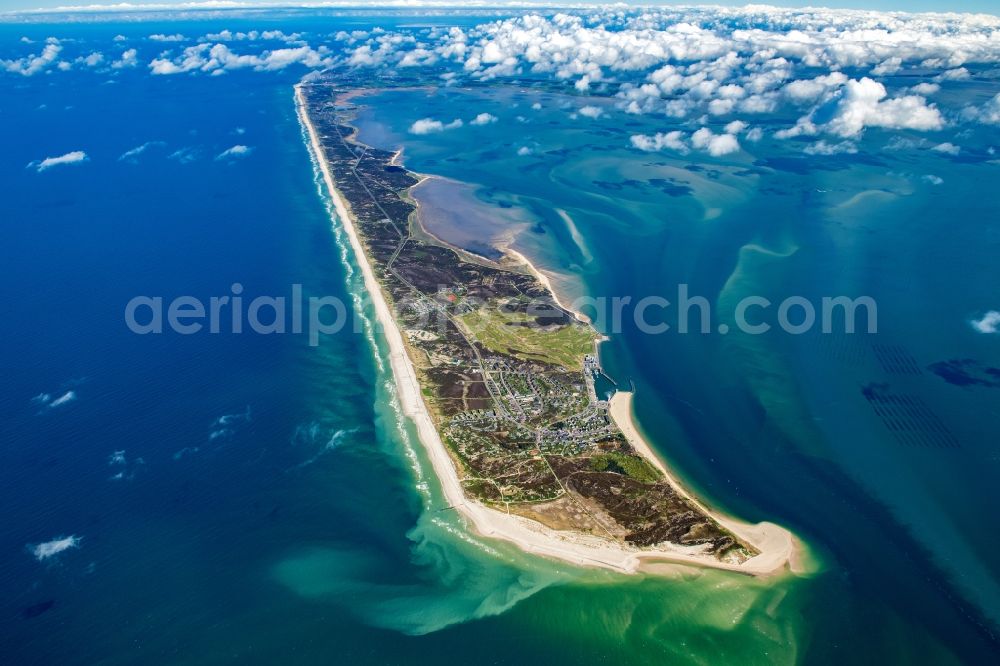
<point>777,545</point>
<point>530,536</point>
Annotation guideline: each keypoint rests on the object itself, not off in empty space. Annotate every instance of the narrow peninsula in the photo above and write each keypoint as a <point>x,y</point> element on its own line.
<point>499,379</point>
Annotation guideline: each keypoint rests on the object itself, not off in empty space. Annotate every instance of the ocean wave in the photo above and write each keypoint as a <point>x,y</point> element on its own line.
<point>315,434</point>
<point>230,419</point>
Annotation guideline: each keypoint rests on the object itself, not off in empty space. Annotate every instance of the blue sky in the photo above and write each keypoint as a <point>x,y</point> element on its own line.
<point>987,6</point>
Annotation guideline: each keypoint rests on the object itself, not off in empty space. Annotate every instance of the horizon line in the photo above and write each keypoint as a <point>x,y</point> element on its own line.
<point>223,5</point>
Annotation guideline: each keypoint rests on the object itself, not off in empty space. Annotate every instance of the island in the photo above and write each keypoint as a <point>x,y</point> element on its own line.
<point>499,379</point>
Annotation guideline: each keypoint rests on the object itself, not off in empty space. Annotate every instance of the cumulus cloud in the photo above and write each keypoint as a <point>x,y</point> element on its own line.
<point>160,37</point>
<point>74,157</point>
<point>687,62</point>
<point>988,323</point>
<point>426,126</point>
<point>219,58</point>
<point>957,74</point>
<point>44,551</point>
<point>704,140</point>
<point>887,66</point>
<point>483,119</point>
<point>234,152</point>
<point>715,145</point>
<point>735,127</point>
<point>925,88</point>
<point>430,126</point>
<point>947,148</point>
<point>823,148</point>
<point>591,111</point>
<point>129,58</point>
<point>806,91</point>
<point>661,141</point>
<point>988,113</point>
<point>862,104</point>
<point>251,35</point>
<point>34,64</point>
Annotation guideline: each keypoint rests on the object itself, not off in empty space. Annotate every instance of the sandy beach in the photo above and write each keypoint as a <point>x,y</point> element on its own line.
<point>775,544</point>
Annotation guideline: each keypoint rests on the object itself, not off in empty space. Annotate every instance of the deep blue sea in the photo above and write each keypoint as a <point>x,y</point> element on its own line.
<point>243,498</point>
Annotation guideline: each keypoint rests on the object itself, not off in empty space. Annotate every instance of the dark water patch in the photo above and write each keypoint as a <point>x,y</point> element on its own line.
<point>34,610</point>
<point>673,187</point>
<point>710,173</point>
<point>966,372</point>
<point>620,185</point>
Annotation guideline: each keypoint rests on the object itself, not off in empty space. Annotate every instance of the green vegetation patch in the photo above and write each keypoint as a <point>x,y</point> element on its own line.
<point>621,463</point>
<point>516,334</point>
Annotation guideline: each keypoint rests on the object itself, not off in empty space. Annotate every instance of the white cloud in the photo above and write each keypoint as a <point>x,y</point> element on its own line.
<point>988,113</point>
<point>687,61</point>
<point>74,157</point>
<point>957,74</point>
<point>715,145</point>
<point>947,148</point>
<point>218,58</point>
<point>661,141</point>
<point>887,66</point>
<point>426,126</point>
<point>523,151</point>
<point>236,151</point>
<point>128,58</point>
<point>31,65</point>
<point>808,91</point>
<point>483,119</point>
<point>184,155</point>
<point>44,551</point>
<point>988,323</point>
<point>932,179</point>
<point>925,88</point>
<point>251,35</point>
<point>735,127</point>
<point>862,104</point>
<point>720,107</point>
<point>167,38</point>
<point>591,111</point>
<point>133,154</point>
<point>823,148</point>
